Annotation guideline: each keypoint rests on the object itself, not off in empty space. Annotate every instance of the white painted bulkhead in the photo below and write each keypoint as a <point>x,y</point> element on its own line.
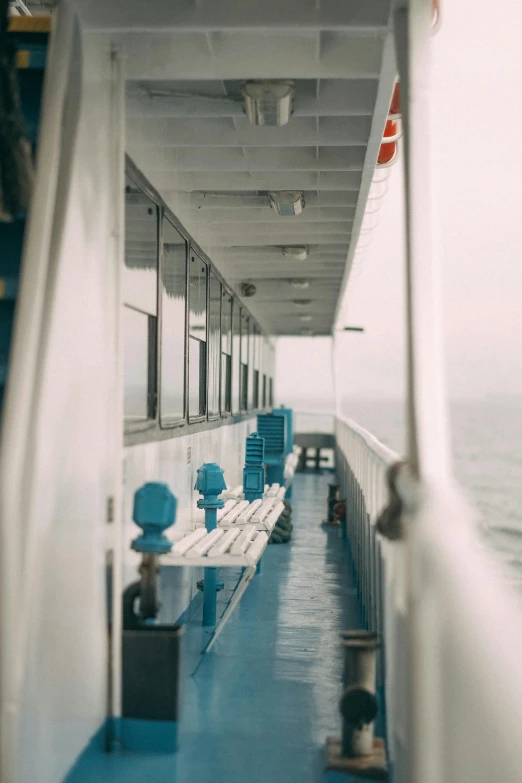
<point>175,462</point>
<point>71,465</point>
<point>61,432</point>
<point>63,463</point>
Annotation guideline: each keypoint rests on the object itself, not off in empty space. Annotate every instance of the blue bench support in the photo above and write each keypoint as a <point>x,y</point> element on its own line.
<point>210,484</point>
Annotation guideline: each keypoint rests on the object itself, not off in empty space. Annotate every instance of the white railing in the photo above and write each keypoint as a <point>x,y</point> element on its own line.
<point>451,627</point>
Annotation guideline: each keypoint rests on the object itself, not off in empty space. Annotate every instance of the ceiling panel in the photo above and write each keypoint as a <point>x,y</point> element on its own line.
<point>187,131</point>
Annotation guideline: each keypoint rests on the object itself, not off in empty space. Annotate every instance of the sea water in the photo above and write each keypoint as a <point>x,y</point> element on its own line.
<point>487,452</point>
<point>486,439</point>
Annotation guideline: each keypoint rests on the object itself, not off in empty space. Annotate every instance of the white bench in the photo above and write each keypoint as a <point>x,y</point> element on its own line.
<point>241,535</point>
<point>219,548</point>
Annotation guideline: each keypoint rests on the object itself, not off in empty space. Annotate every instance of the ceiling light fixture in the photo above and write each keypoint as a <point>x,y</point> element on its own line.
<point>287,203</point>
<point>268,102</point>
<point>297,253</point>
<point>307,332</point>
<point>300,283</point>
<point>302,302</point>
<point>305,318</point>
<point>247,290</point>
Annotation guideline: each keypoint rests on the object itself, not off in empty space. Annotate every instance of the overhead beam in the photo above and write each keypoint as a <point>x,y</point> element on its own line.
<point>357,16</point>
<point>315,215</point>
<point>223,202</point>
<point>316,252</point>
<point>248,272</point>
<point>231,240</point>
<point>237,55</point>
<point>251,159</point>
<point>246,181</point>
<point>283,229</point>
<point>225,132</point>
<point>336,98</point>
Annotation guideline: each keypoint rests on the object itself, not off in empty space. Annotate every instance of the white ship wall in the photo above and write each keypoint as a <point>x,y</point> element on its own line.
<point>73,466</point>
<point>175,462</point>
<point>60,431</point>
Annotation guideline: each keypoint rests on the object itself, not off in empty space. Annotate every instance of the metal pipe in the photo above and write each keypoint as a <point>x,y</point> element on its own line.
<point>210,576</point>
<point>359,703</point>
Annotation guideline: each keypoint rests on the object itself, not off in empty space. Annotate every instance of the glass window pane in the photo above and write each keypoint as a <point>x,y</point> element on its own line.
<point>140,273</point>
<point>226,383</point>
<point>214,341</point>
<point>198,297</point>
<point>197,381</point>
<point>263,400</point>
<point>139,330</point>
<point>197,336</point>
<point>226,352</point>
<point>244,360</point>
<point>254,362</point>
<point>140,293</point>
<point>173,277</point>
<point>236,358</point>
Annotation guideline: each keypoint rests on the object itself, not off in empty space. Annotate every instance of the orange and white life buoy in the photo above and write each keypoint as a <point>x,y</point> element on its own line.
<point>389,150</point>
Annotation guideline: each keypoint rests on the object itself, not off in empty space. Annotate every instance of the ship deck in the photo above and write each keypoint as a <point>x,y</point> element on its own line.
<point>261,703</point>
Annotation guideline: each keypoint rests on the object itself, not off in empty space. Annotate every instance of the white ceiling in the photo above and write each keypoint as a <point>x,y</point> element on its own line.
<point>186,130</point>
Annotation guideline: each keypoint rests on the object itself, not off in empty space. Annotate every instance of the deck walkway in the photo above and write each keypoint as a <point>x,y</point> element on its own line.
<point>259,706</point>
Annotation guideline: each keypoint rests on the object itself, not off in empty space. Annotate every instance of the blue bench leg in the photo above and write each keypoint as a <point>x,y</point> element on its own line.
<point>209,596</point>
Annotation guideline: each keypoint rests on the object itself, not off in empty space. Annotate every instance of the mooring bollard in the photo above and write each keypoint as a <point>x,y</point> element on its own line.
<point>359,702</point>
<point>357,753</point>
<point>210,483</point>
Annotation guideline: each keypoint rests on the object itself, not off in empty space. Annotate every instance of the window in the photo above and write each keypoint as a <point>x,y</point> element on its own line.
<point>173,302</point>
<point>197,337</point>
<point>263,398</point>
<point>226,352</point>
<point>140,296</point>
<point>244,360</point>
<point>236,357</point>
<point>271,393</point>
<point>214,340</point>
<point>255,341</point>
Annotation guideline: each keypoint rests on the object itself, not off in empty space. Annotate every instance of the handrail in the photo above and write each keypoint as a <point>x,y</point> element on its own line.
<point>450,624</point>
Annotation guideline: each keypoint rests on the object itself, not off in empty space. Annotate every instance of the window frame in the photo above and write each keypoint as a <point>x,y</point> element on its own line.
<point>151,429</point>
<point>201,416</point>
<point>153,358</point>
<point>226,294</point>
<point>244,372</point>
<point>211,272</point>
<point>170,424</point>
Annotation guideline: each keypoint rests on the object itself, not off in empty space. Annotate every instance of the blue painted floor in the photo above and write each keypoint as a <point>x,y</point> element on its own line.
<point>261,703</point>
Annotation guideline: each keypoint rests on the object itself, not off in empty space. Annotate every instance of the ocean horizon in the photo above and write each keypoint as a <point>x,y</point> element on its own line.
<point>486,435</point>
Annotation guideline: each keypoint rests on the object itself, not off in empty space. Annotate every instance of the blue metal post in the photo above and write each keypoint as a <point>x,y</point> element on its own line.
<point>287,414</point>
<point>210,483</point>
<point>254,470</point>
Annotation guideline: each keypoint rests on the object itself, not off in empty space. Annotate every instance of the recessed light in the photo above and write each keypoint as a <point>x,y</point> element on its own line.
<point>268,102</point>
<point>300,282</point>
<point>248,289</point>
<point>287,202</point>
<point>302,302</point>
<point>307,332</point>
<point>305,318</point>
<point>297,253</point>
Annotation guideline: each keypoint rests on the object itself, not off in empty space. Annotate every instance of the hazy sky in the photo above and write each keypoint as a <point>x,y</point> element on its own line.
<point>477,185</point>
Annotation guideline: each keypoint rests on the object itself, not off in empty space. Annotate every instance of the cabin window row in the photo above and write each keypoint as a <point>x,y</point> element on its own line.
<point>191,352</point>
